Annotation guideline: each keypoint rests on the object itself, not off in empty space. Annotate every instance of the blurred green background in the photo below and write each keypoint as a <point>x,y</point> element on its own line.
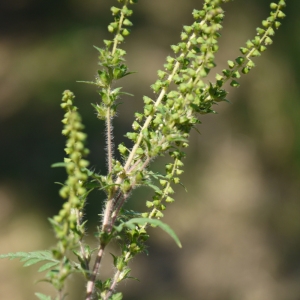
<point>239,221</point>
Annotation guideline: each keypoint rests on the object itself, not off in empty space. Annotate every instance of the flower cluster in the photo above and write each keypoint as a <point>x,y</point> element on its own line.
<point>68,227</point>
<point>121,22</point>
<point>168,120</point>
<point>254,48</point>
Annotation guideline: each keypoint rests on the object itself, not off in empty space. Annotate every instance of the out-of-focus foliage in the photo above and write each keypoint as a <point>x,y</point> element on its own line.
<point>243,203</point>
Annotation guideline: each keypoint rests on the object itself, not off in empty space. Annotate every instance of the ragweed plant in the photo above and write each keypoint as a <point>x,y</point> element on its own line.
<point>181,95</point>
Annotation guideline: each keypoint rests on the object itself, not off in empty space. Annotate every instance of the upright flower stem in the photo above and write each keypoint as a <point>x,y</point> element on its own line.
<point>109,203</point>
<point>109,144</point>
<point>107,213</point>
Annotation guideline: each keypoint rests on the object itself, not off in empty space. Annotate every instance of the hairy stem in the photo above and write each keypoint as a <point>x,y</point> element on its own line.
<point>109,203</point>
<point>91,283</point>
<point>116,278</point>
<point>113,285</point>
<point>109,139</point>
<point>107,213</point>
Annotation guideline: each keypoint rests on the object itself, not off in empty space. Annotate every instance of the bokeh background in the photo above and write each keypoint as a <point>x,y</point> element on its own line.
<point>239,221</point>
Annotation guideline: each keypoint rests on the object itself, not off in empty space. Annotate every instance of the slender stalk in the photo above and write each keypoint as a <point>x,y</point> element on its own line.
<point>106,226</point>
<point>81,244</point>
<point>113,285</point>
<point>109,144</point>
<point>119,30</point>
<point>91,283</point>
<point>107,213</point>
<point>116,278</point>
<point>109,139</point>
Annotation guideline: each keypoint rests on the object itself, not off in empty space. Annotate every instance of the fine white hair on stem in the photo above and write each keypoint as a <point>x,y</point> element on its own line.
<point>109,140</point>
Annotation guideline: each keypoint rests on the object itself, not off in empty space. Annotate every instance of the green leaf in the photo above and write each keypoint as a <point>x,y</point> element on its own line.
<point>158,223</point>
<point>31,258</point>
<point>154,187</point>
<point>42,296</point>
<point>123,274</point>
<point>88,82</point>
<point>117,296</point>
<point>99,49</point>
<point>47,266</point>
<point>58,165</point>
<point>31,261</point>
<point>115,258</point>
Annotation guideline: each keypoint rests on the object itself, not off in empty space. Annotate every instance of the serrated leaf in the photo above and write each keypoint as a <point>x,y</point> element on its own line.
<point>31,258</point>
<point>42,296</point>
<point>31,261</point>
<point>47,266</point>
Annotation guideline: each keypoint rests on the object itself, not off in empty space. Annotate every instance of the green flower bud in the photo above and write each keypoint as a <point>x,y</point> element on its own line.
<point>159,214</point>
<point>64,192</point>
<point>234,83</point>
<point>230,64</point>
<point>140,151</point>
<point>175,48</point>
<point>244,50</point>
<point>125,186</point>
<point>268,41</point>
<point>149,204</point>
<point>265,23</point>
<point>281,15</point>
<point>81,191</point>
<point>169,199</point>
<point>127,22</point>
<point>132,135</point>
<point>83,163</point>
<point>125,32</point>
<point>115,10</point>
<point>156,202</point>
